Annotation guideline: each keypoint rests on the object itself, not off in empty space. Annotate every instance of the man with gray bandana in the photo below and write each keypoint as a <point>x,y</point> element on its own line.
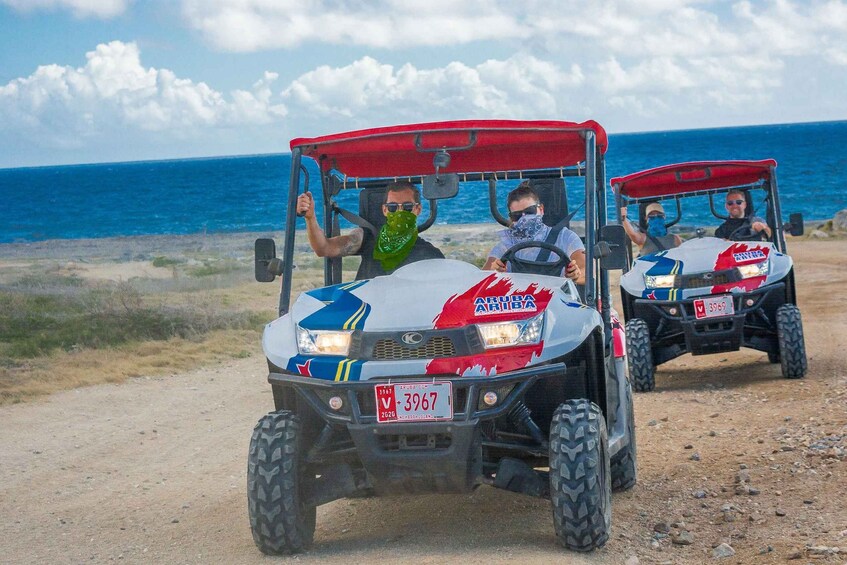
<point>526,224</point>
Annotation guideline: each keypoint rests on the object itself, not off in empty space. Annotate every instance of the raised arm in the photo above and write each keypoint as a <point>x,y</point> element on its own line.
<point>636,236</point>
<point>338,246</point>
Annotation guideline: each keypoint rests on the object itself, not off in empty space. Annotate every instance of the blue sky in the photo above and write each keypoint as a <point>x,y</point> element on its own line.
<point>86,81</point>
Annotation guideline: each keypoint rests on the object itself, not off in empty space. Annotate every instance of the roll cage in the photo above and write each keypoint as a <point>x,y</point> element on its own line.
<point>467,151</point>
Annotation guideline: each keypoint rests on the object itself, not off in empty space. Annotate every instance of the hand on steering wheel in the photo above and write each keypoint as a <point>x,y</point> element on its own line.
<point>744,232</point>
<point>552,268</point>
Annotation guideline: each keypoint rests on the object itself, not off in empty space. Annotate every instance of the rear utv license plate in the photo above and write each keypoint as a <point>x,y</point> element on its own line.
<point>414,402</point>
<point>713,307</point>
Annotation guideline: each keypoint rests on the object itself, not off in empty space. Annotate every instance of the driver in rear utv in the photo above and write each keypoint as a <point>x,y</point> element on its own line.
<point>526,224</point>
<point>396,245</point>
<point>736,206</point>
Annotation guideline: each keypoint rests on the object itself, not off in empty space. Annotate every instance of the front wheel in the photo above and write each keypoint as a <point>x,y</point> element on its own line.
<point>792,346</point>
<point>580,486</point>
<point>639,355</point>
<point>279,518</point>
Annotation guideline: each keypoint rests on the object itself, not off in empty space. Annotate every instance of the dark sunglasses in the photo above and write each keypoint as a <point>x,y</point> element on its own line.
<point>656,215</point>
<point>394,206</point>
<point>738,202</point>
<point>518,214</point>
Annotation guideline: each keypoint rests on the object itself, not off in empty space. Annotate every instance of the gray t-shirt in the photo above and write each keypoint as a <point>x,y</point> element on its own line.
<point>567,241</point>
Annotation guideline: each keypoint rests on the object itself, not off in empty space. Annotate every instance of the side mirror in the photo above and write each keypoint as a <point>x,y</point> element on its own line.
<point>438,187</point>
<point>264,253</point>
<point>795,224</point>
<point>611,247</point>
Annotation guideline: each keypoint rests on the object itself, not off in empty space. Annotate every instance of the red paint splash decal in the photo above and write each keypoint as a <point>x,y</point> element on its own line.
<point>741,254</point>
<point>494,362</point>
<point>459,310</point>
<point>463,309</point>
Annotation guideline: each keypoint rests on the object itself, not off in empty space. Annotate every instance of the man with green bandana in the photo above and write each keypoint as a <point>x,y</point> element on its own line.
<point>397,243</point>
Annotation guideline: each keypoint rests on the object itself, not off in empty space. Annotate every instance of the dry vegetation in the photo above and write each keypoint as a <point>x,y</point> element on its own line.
<point>77,313</point>
<point>70,323</point>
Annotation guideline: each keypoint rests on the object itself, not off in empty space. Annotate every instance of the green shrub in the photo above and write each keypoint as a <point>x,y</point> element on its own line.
<point>165,261</point>
<point>213,268</point>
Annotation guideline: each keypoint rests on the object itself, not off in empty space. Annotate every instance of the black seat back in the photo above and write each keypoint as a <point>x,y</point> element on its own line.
<point>371,200</point>
<point>554,197</point>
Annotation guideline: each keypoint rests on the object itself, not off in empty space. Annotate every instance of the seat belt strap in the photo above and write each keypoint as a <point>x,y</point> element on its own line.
<point>544,254</point>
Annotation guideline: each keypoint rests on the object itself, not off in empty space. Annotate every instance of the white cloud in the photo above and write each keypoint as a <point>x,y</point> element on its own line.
<point>367,92</point>
<point>252,25</point>
<point>80,8</point>
<point>114,94</point>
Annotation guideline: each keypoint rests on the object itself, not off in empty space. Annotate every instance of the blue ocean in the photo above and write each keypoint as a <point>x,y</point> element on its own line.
<point>248,193</point>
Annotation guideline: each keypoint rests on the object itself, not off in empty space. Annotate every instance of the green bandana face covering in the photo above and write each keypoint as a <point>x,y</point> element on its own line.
<point>396,239</point>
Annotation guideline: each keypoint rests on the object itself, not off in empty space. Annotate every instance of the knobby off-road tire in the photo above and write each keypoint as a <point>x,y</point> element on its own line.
<point>623,462</point>
<point>792,347</point>
<point>280,521</point>
<point>580,485</point>
<point>639,355</point>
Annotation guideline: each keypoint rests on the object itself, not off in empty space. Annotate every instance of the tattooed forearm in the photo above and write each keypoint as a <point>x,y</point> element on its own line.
<point>352,242</point>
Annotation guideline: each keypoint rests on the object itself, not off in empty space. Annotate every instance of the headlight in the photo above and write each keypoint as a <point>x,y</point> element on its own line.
<point>754,270</point>
<point>659,281</point>
<point>322,342</point>
<point>506,334</point>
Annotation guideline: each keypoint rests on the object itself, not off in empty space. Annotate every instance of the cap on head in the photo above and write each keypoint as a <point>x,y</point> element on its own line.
<point>653,207</point>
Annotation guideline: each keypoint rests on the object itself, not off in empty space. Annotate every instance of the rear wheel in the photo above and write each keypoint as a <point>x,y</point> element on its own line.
<point>279,518</point>
<point>639,355</point>
<point>623,462</point>
<point>792,347</point>
<point>580,486</point>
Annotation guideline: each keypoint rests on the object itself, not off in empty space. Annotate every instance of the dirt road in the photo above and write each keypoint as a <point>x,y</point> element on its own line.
<point>154,470</point>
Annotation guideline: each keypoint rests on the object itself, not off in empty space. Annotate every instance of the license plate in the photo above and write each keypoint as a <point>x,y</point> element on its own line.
<point>713,307</point>
<point>414,402</point>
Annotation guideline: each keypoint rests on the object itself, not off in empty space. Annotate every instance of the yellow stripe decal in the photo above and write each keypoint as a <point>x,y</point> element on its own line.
<point>359,317</point>
<point>338,371</point>
<point>347,368</point>
<point>350,319</point>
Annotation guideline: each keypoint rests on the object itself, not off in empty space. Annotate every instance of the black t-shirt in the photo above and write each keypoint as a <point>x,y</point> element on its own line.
<point>732,224</point>
<point>370,267</point>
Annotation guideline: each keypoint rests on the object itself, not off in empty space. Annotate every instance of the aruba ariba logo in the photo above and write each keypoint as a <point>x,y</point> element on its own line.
<point>484,306</point>
<point>749,255</point>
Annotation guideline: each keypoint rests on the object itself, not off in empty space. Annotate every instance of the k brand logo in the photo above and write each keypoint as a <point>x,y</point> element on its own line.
<point>412,338</point>
<point>707,276</point>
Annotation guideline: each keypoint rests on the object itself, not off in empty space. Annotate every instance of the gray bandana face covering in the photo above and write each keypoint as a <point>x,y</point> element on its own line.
<point>525,229</point>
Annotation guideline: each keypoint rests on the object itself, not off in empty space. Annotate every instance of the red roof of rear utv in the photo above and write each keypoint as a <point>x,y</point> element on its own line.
<point>473,145</point>
<point>683,178</point>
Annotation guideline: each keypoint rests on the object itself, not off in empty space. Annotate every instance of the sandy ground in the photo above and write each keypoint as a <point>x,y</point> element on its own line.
<point>153,470</point>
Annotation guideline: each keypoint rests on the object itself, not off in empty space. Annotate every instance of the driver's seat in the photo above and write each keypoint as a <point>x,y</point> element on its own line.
<point>554,197</point>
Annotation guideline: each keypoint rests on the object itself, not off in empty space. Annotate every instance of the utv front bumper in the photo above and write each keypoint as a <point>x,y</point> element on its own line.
<point>675,329</point>
<point>415,457</point>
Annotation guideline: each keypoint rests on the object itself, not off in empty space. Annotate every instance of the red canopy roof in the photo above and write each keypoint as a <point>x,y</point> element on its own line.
<point>692,177</point>
<point>474,146</point>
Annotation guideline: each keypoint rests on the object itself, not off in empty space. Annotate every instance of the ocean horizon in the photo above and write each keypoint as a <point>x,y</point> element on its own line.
<point>247,193</point>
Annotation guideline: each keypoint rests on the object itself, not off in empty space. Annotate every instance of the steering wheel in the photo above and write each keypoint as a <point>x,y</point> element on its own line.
<point>552,268</point>
<point>745,232</point>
